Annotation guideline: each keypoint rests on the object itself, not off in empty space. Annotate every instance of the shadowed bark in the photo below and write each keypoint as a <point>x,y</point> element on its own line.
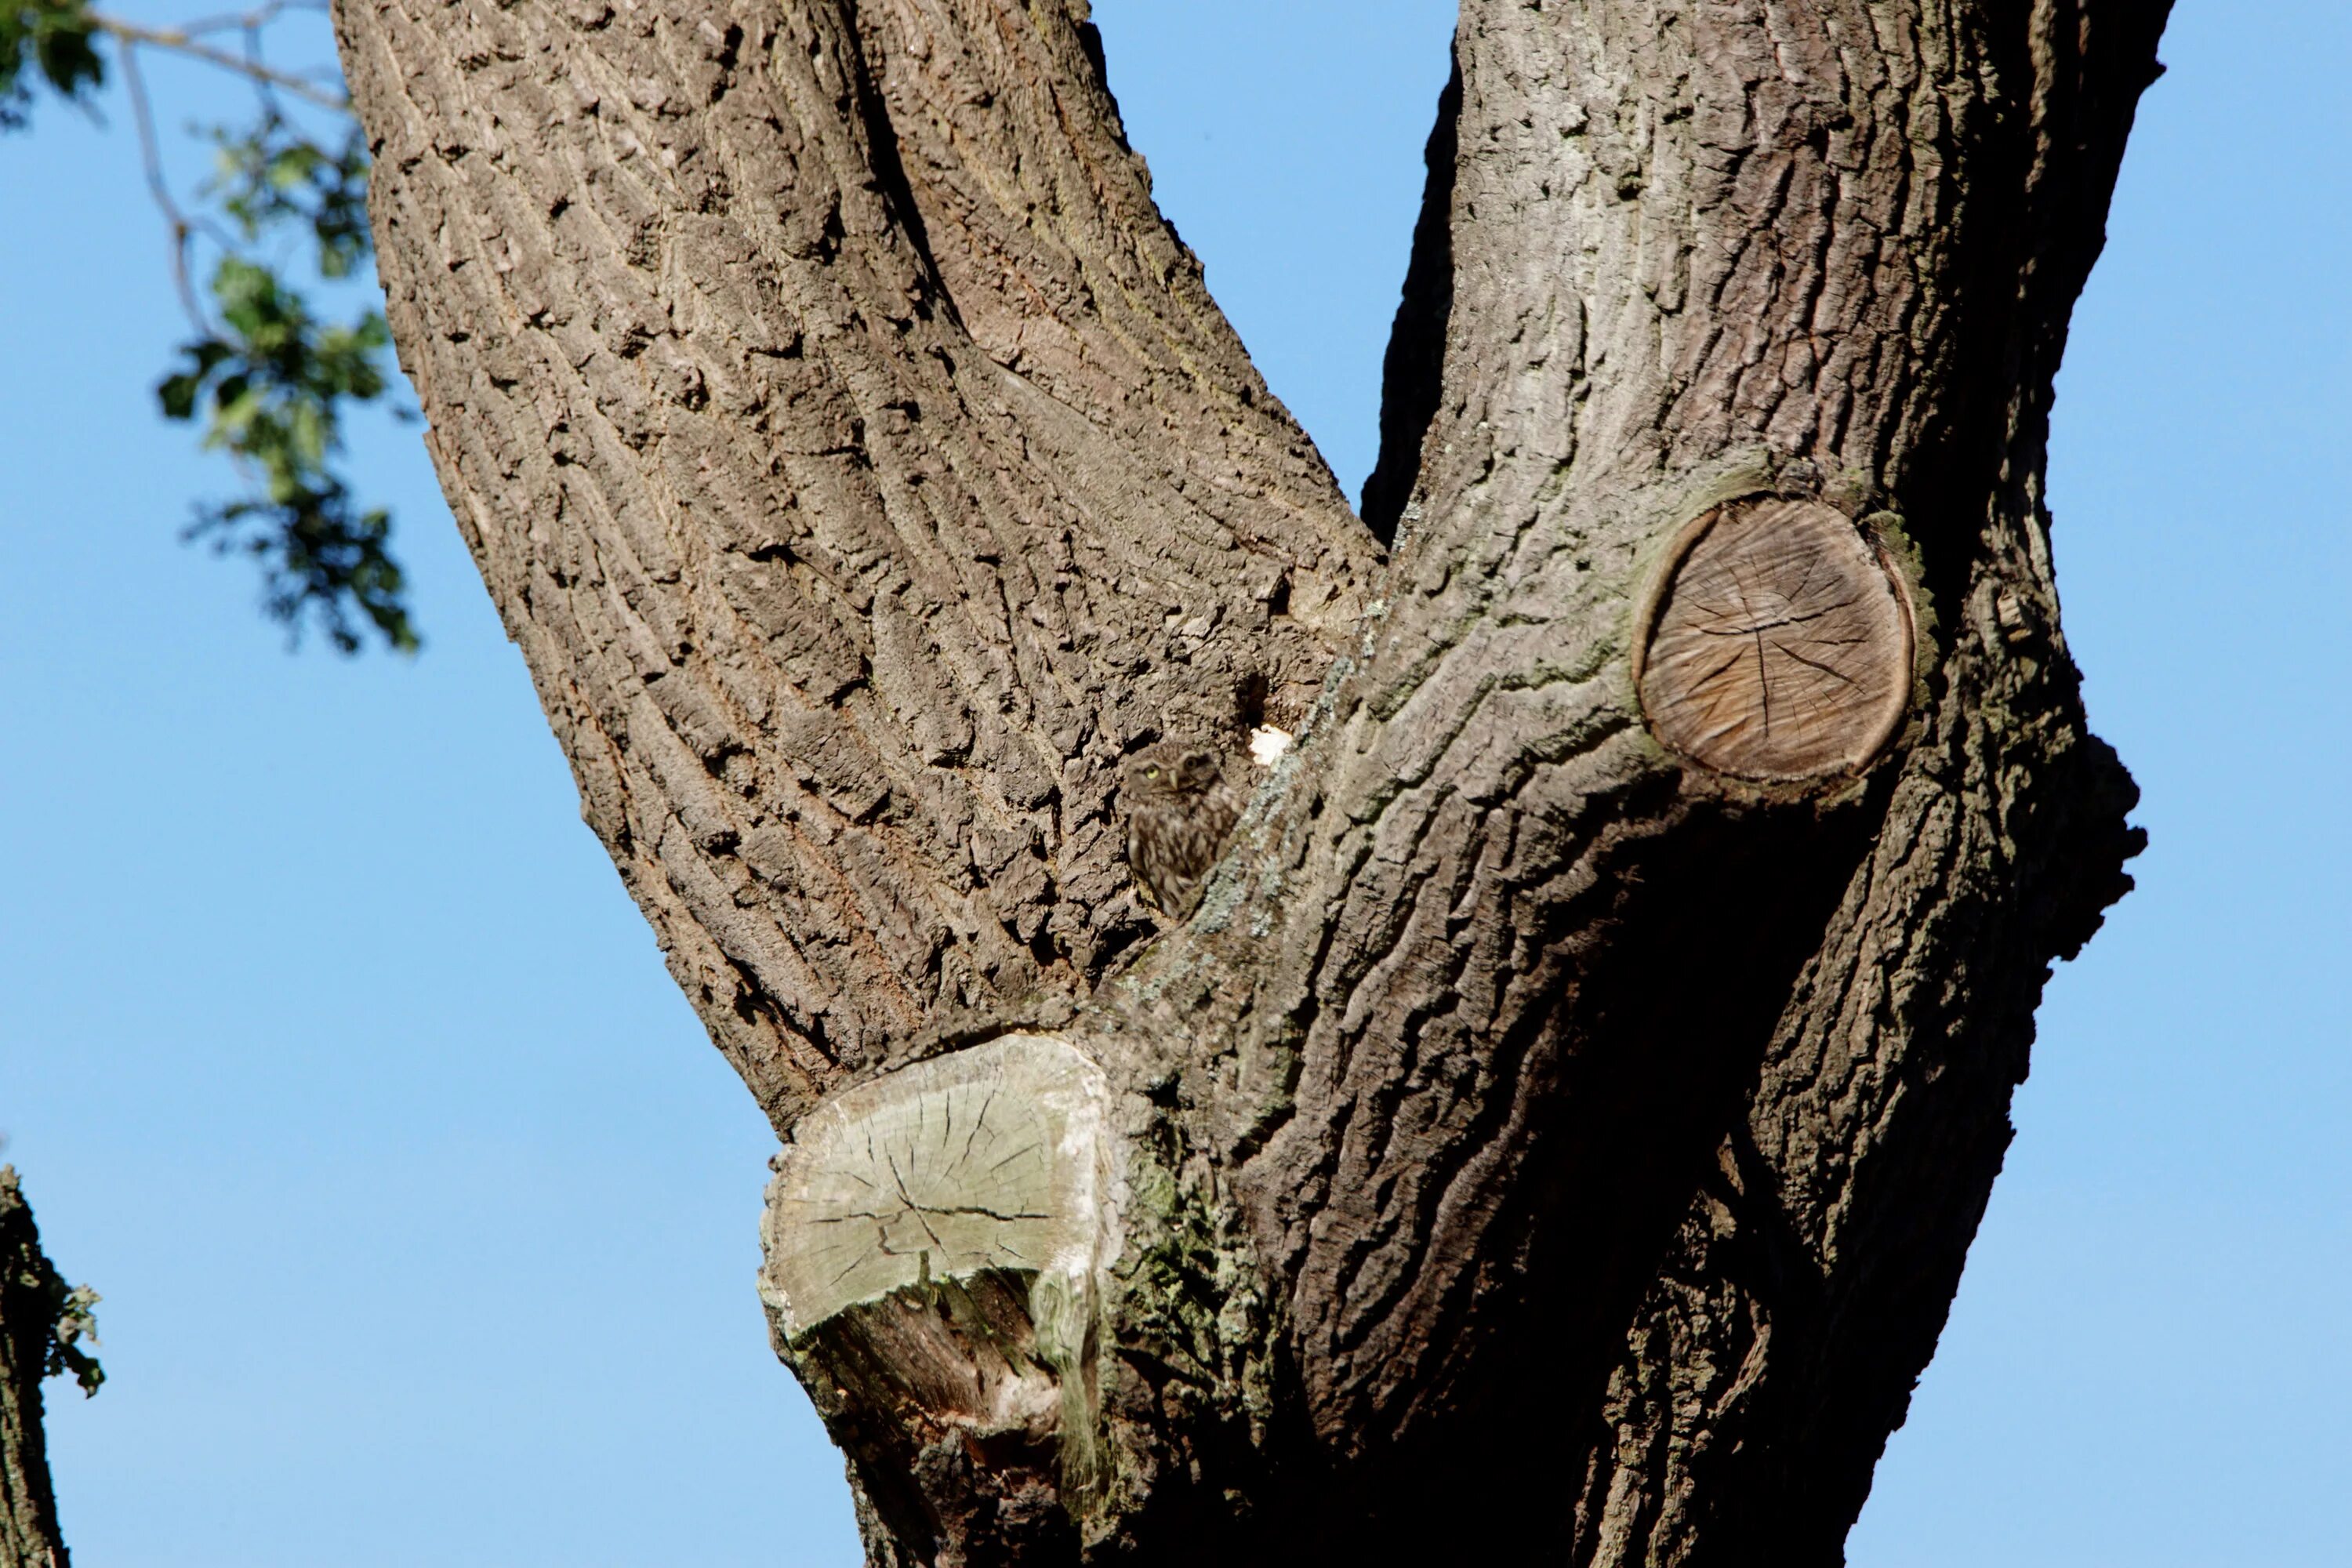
<point>41,1320</point>
<point>1564,1115</point>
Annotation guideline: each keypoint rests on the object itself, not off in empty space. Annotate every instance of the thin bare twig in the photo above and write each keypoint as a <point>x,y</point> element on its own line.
<point>261,88</point>
<point>180,41</point>
<point>150,154</point>
<point>259,16</point>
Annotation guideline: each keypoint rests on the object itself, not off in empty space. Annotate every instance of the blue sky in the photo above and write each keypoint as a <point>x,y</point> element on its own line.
<point>334,1055</point>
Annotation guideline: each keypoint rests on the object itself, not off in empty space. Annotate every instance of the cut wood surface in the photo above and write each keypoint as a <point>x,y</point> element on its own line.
<point>1777,645</point>
<point>984,1159</point>
<point>932,1238</point>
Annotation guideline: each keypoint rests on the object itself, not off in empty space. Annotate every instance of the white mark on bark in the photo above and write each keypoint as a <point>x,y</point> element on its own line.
<point>1267,744</point>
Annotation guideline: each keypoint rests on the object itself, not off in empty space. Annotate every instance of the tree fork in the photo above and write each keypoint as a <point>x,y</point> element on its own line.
<point>1565,1114</point>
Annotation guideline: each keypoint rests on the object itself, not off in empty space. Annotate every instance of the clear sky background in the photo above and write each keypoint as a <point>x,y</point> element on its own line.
<point>334,1055</point>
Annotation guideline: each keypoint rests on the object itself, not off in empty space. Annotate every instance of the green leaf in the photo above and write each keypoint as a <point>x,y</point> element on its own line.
<point>273,176</point>
<point>270,389</point>
<point>267,381</point>
<point>55,37</point>
<point>323,562</point>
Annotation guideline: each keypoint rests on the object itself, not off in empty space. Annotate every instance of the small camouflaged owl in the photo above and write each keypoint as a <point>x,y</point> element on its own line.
<point>1180,805</point>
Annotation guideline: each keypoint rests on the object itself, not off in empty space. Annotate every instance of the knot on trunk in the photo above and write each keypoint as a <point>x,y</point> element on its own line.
<point>1774,644</point>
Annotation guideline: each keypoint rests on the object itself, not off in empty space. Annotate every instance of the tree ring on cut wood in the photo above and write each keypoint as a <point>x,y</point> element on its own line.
<point>1774,644</point>
<point>991,1158</point>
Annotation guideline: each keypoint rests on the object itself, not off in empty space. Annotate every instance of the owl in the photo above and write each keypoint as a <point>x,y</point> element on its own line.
<point>1180,802</point>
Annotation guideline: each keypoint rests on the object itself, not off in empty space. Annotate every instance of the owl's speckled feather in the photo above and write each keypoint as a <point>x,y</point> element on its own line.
<point>1180,802</point>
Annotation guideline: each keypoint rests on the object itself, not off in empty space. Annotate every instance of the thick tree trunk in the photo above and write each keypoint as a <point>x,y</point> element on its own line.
<point>33,1299</point>
<point>1565,1115</point>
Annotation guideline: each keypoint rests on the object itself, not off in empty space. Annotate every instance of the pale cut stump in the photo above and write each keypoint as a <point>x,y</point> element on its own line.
<point>932,1240</point>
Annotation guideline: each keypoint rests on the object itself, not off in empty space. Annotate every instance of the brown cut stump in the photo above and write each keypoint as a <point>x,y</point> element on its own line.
<point>1775,644</point>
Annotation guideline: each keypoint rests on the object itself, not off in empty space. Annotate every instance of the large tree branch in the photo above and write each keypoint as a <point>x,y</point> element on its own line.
<point>1522,966</point>
<point>1778,1347</point>
<point>858,492</point>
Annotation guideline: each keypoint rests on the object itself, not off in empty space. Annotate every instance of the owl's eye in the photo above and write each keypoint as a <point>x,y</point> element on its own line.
<point>1152,772</point>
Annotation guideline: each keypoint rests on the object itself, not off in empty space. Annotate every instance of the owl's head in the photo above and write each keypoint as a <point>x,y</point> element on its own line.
<point>1172,768</point>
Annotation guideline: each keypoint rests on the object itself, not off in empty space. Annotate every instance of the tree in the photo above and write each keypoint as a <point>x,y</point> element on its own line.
<point>1565,1112</point>
<point>43,1321</point>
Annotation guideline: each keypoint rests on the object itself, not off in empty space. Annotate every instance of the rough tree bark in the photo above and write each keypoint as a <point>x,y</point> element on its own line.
<point>1562,1121</point>
<point>40,1319</point>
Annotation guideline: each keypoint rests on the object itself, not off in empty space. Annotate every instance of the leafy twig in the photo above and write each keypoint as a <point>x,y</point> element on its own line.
<point>269,384</point>
<point>53,38</point>
<point>265,376</point>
